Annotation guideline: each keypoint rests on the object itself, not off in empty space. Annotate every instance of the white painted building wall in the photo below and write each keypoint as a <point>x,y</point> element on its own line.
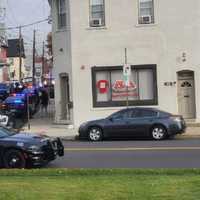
<point>176,31</point>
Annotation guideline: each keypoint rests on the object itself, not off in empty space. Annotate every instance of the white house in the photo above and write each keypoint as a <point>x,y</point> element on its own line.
<point>162,39</point>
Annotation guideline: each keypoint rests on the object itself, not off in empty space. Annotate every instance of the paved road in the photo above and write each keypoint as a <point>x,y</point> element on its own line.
<point>176,153</point>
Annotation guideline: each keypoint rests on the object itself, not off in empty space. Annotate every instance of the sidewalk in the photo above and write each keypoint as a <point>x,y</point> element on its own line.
<point>44,124</point>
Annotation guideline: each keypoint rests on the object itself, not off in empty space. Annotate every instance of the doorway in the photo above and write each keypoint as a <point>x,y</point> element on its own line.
<point>186,94</point>
<point>64,96</point>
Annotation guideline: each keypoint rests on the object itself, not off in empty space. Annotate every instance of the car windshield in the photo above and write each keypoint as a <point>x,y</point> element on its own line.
<point>5,132</point>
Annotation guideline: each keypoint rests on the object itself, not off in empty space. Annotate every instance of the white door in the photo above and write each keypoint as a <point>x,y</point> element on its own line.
<point>186,98</point>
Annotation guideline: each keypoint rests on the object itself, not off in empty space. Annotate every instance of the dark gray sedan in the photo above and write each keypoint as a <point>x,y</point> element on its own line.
<point>134,122</point>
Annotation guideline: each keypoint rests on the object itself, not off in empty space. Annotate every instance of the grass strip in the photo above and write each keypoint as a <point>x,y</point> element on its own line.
<point>100,184</point>
<point>96,172</point>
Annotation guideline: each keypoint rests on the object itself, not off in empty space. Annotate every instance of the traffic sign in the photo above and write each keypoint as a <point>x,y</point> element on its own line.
<point>126,73</point>
<point>126,70</point>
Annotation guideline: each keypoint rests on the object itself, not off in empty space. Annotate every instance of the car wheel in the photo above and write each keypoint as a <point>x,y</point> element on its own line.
<point>158,132</point>
<point>95,134</point>
<point>14,159</point>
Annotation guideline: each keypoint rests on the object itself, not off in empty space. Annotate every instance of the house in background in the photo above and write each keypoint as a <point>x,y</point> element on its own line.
<point>89,41</point>
<point>4,72</point>
<point>4,67</point>
<point>13,58</point>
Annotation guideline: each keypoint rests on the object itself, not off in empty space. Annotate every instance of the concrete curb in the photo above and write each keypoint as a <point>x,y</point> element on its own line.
<point>69,138</point>
<point>188,136</point>
<point>75,137</point>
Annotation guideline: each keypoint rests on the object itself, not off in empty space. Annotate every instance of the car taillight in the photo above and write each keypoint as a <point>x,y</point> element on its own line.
<point>2,106</point>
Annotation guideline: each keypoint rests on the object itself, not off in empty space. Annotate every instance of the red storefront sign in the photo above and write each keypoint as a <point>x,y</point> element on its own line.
<point>119,89</point>
<point>103,86</point>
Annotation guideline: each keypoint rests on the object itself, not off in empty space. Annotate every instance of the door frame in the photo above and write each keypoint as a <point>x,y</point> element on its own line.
<point>65,76</point>
<point>186,75</point>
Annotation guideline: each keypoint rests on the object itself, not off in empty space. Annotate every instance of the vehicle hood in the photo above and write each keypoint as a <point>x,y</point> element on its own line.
<point>27,138</point>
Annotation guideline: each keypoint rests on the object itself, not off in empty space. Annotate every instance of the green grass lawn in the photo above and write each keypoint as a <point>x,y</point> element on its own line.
<point>100,184</point>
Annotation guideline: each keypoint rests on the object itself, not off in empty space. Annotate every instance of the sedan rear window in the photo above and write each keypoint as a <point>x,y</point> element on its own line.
<point>146,113</point>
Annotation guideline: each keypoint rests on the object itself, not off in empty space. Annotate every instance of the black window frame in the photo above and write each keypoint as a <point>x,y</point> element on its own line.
<point>111,103</point>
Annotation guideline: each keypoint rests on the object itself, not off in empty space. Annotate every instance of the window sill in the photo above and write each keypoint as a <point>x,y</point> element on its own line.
<point>146,25</point>
<point>97,28</point>
<point>62,30</point>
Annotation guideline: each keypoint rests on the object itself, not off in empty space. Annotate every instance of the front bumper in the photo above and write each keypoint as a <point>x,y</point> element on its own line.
<point>83,132</point>
<point>48,153</point>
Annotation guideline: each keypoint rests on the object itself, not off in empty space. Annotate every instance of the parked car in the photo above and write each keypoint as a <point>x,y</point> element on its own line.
<point>17,105</point>
<point>4,91</point>
<point>7,118</point>
<point>134,122</point>
<point>21,150</point>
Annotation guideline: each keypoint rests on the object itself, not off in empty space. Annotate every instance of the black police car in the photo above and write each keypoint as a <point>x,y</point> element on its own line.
<point>21,150</point>
<point>4,91</point>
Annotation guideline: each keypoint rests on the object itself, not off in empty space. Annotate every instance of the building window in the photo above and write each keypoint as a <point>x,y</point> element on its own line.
<point>61,14</point>
<point>146,12</point>
<point>109,88</point>
<point>97,13</point>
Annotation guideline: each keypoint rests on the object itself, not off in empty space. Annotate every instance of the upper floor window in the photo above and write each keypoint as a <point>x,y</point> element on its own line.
<point>61,14</point>
<point>146,12</point>
<point>97,13</point>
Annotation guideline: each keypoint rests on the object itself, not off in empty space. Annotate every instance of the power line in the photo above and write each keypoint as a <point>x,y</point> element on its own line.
<point>25,25</point>
<point>11,12</point>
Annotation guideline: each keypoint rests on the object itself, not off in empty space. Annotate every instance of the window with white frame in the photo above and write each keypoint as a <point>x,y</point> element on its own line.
<point>97,13</point>
<point>146,12</point>
<point>61,14</point>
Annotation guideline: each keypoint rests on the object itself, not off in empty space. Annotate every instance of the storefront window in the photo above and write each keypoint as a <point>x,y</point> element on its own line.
<point>109,87</point>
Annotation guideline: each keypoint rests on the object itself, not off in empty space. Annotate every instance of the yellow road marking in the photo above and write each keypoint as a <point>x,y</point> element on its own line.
<point>132,149</point>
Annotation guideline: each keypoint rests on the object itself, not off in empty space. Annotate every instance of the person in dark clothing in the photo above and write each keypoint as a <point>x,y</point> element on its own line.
<point>44,100</point>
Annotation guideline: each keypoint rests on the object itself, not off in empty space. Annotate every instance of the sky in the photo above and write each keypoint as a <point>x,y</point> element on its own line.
<point>21,12</point>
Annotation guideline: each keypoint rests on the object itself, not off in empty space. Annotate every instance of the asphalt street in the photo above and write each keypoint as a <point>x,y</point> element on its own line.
<point>173,153</point>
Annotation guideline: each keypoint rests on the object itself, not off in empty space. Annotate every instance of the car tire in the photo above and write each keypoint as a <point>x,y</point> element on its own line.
<point>158,132</point>
<point>14,159</point>
<point>95,134</point>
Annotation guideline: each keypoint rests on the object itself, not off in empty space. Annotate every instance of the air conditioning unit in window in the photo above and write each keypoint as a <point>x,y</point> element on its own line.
<point>95,22</point>
<point>146,19</point>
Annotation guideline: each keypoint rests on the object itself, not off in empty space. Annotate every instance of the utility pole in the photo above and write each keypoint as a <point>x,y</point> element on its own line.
<point>42,77</point>
<point>33,71</point>
<point>126,62</point>
<point>20,54</point>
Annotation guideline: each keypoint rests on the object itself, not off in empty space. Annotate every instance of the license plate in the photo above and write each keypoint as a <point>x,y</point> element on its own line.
<point>12,110</point>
